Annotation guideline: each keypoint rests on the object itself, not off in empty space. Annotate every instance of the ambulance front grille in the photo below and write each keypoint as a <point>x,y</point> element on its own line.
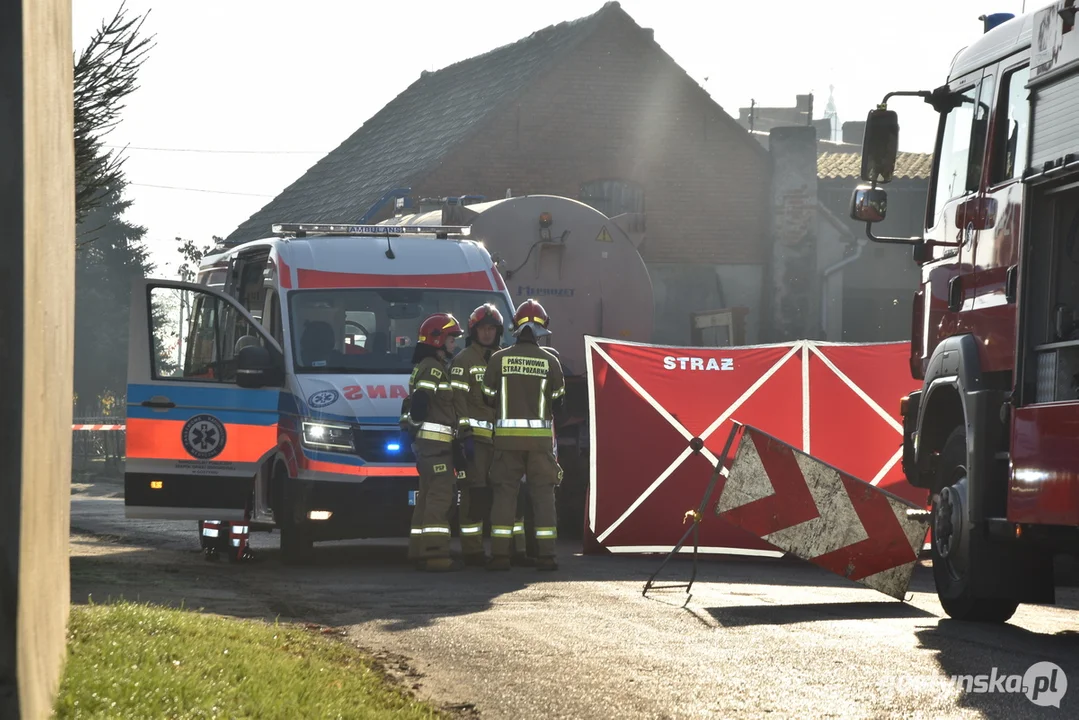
<point>378,445</point>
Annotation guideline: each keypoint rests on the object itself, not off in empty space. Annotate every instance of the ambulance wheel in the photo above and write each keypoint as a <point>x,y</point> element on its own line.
<point>297,543</point>
<point>955,548</point>
<point>297,538</point>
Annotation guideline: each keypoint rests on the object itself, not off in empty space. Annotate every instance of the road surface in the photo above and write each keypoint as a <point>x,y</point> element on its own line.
<point>757,638</point>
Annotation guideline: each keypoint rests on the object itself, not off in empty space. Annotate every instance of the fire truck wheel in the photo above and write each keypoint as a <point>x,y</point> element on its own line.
<point>954,548</point>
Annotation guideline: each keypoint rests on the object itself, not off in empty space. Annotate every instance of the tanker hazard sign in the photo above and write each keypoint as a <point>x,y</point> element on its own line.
<point>809,509</point>
<point>604,236</point>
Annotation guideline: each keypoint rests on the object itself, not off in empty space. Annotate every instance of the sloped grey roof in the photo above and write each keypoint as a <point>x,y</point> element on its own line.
<point>408,137</point>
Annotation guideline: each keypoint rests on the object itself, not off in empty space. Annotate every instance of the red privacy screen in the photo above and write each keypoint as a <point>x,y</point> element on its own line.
<point>837,402</point>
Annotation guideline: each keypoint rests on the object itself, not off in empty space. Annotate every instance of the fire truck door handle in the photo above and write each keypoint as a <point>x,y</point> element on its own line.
<point>159,401</point>
<point>1011,283</point>
<point>955,293</point>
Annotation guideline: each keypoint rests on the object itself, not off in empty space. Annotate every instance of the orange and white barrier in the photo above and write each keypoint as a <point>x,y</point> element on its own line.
<point>812,510</point>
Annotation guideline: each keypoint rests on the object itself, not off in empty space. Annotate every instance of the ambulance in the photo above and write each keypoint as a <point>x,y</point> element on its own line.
<point>268,393</point>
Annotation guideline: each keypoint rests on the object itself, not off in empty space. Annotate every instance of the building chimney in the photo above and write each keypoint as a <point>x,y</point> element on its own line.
<point>853,131</point>
<point>794,295</point>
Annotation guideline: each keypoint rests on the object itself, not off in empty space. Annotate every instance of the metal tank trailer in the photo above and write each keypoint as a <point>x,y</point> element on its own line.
<point>585,269</point>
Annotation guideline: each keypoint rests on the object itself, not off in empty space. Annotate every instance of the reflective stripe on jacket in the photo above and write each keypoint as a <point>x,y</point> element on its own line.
<point>524,380</point>
<point>474,416</point>
<point>431,376</point>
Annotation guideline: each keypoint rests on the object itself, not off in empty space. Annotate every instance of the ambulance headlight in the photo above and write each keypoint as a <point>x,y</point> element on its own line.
<point>327,436</point>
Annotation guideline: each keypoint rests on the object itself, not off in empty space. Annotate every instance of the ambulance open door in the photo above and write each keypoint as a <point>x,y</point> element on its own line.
<point>204,386</point>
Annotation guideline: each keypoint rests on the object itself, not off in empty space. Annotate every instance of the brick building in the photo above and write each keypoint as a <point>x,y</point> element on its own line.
<point>591,109</point>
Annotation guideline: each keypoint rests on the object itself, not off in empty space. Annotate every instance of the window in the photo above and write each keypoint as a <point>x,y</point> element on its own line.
<point>1010,157</point>
<point>196,336</point>
<point>954,155</point>
<point>373,331</point>
<point>980,133</point>
<point>613,197</point>
<point>252,290</point>
<point>273,312</point>
<point>959,164</point>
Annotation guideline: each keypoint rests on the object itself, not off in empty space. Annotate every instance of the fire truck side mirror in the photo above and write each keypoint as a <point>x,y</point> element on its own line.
<point>880,146</point>
<point>868,204</point>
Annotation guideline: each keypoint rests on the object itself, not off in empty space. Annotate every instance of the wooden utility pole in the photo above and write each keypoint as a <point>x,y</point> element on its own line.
<point>37,213</point>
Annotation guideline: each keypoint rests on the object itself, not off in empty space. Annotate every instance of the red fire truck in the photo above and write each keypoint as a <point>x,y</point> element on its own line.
<point>993,433</point>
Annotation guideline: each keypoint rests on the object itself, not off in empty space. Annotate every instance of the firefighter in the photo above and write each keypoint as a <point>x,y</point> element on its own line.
<point>475,425</point>
<point>524,383</point>
<point>428,414</point>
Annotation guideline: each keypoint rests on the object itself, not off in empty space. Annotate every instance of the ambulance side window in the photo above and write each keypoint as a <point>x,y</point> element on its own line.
<point>196,336</point>
<point>252,290</point>
<point>271,317</point>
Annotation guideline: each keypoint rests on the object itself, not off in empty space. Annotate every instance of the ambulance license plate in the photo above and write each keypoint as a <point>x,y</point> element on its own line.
<point>412,496</point>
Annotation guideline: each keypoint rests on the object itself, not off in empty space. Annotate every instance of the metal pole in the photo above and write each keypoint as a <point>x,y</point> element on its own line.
<point>180,333</point>
<point>693,529</point>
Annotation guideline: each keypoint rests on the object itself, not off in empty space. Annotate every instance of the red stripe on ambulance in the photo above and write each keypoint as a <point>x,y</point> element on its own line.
<point>324,279</point>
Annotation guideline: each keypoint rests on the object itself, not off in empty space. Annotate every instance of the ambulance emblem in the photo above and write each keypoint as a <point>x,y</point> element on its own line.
<point>323,398</point>
<point>203,437</point>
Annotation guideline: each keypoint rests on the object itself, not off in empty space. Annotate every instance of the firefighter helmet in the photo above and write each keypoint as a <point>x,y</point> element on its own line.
<point>486,314</point>
<point>530,314</point>
<point>436,328</point>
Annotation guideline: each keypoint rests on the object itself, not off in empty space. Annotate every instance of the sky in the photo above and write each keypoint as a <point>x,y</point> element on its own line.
<point>238,98</point>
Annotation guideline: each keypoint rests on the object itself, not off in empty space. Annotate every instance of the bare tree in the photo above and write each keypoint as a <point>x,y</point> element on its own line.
<point>192,255</point>
<point>105,74</point>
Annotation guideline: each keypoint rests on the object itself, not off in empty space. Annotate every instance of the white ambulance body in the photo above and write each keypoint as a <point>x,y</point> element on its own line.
<point>301,432</point>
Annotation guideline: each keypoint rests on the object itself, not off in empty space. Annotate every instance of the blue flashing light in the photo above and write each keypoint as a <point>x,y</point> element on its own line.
<point>993,20</point>
<point>393,447</point>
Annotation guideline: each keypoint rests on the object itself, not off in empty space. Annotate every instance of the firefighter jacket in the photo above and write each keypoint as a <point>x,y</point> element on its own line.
<point>429,376</point>
<point>524,381</point>
<point>475,416</point>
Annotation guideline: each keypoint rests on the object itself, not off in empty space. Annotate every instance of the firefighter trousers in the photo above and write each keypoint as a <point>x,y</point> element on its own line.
<point>543,473</point>
<point>474,505</point>
<point>430,534</point>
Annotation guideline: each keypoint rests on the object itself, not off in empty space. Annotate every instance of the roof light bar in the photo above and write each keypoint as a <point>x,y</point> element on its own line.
<point>341,229</point>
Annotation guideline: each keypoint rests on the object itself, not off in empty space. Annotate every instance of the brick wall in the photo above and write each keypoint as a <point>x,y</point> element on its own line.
<point>617,107</point>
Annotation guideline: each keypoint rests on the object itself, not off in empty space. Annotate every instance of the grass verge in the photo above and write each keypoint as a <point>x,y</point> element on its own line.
<point>135,660</point>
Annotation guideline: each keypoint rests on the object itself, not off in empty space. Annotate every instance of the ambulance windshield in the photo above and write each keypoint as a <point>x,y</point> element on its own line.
<point>373,330</point>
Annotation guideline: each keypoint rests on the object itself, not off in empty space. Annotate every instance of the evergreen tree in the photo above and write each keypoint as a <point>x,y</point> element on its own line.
<point>110,250</point>
<point>105,74</point>
<point>104,271</point>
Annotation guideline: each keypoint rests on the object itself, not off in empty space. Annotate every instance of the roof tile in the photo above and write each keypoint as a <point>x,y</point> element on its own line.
<point>834,165</point>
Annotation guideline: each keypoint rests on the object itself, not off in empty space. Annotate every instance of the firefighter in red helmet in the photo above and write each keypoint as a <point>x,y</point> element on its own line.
<point>475,425</point>
<point>525,384</point>
<point>428,415</point>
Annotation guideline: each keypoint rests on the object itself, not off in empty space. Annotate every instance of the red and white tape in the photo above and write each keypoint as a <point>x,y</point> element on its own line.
<point>98,427</point>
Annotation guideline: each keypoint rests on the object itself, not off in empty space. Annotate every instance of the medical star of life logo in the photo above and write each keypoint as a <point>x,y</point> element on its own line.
<point>323,398</point>
<point>203,437</point>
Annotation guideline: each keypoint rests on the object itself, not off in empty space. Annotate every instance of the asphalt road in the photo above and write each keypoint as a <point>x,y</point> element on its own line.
<point>757,638</point>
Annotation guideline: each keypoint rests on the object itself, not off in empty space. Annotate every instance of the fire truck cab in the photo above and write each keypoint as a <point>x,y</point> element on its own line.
<point>269,393</point>
<point>993,434</point>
